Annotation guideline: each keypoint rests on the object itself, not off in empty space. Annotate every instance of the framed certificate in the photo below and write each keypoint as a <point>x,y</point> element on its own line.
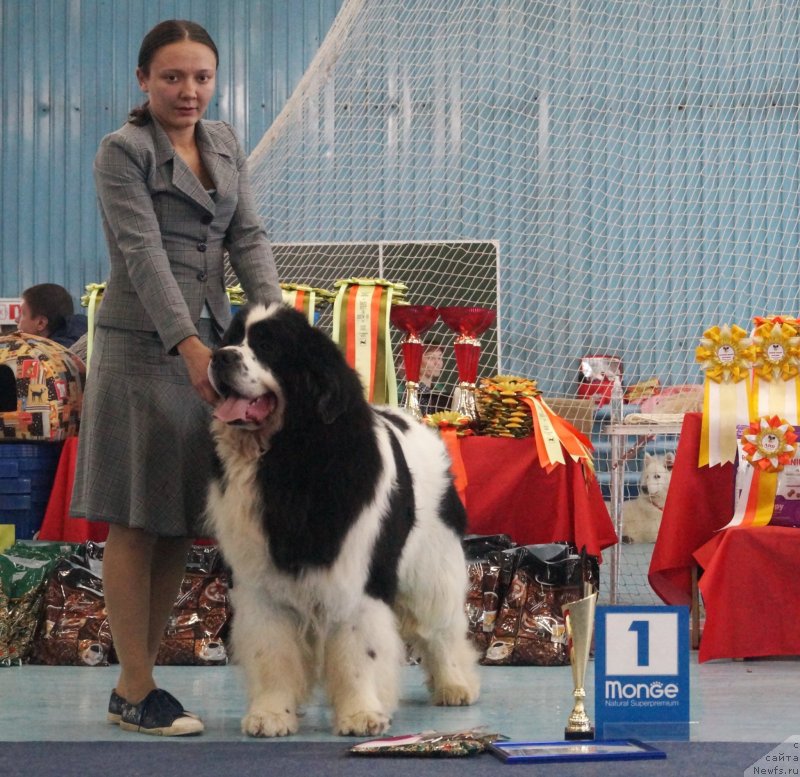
<point>600,750</point>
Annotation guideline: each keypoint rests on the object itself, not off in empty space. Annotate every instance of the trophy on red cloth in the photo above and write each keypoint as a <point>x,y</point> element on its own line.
<point>468,323</point>
<point>414,320</point>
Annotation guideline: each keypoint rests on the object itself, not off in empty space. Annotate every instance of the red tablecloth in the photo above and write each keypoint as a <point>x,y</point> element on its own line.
<point>699,502</point>
<point>507,492</point>
<point>751,592</point>
<point>749,586</point>
<point>56,525</point>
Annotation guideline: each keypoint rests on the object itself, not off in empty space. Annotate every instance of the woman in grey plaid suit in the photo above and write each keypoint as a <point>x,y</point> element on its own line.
<point>173,195</point>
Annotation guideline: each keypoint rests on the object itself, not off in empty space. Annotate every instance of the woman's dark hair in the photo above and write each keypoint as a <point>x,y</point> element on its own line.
<point>164,33</point>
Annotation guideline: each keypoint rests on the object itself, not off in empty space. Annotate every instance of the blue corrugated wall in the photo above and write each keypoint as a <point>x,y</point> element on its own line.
<point>68,79</point>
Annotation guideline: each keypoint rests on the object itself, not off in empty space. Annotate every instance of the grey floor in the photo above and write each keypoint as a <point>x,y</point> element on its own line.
<point>750,701</point>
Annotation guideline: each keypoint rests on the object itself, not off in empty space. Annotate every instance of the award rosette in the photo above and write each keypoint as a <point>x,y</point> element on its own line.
<point>726,355</point>
<point>768,445</point>
<point>361,314</point>
<point>510,406</point>
<point>513,407</point>
<point>776,368</point>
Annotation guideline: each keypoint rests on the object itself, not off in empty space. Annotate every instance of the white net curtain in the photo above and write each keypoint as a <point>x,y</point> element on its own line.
<point>634,163</point>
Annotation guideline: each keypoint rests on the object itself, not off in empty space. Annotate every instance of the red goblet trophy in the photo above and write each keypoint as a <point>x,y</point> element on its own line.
<point>414,320</point>
<point>468,323</point>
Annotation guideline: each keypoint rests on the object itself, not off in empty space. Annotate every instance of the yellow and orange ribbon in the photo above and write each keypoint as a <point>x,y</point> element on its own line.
<point>551,433</point>
<point>768,444</point>
<point>726,355</point>
<point>451,426</point>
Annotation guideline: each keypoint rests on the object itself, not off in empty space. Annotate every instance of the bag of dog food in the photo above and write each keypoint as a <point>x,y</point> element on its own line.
<point>74,629</point>
<point>195,632</point>
<point>24,569</point>
<point>529,628</point>
<point>483,592</point>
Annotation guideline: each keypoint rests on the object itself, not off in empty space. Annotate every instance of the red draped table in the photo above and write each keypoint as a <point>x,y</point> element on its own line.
<point>749,585</point>
<point>56,524</point>
<point>507,493</point>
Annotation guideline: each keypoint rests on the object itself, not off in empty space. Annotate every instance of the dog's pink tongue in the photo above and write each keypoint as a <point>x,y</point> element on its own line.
<point>237,409</point>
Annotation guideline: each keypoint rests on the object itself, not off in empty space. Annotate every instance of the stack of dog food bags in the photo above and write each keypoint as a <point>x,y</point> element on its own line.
<point>536,581</point>
<point>195,631</point>
<point>74,629</point>
<point>483,593</point>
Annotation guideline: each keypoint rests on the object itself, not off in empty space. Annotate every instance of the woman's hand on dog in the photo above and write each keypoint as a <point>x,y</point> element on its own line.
<point>197,357</point>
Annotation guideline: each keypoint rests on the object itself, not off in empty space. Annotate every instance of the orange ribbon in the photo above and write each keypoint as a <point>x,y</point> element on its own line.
<point>450,437</point>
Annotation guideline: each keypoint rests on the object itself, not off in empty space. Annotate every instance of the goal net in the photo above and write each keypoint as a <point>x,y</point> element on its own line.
<point>634,163</point>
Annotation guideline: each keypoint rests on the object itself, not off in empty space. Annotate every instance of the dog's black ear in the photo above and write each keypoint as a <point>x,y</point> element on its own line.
<point>331,404</point>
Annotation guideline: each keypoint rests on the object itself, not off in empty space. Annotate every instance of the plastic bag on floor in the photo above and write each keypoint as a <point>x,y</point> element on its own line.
<point>74,629</point>
<point>24,569</point>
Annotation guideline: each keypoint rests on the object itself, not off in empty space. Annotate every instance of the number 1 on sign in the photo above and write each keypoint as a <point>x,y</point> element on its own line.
<point>642,629</point>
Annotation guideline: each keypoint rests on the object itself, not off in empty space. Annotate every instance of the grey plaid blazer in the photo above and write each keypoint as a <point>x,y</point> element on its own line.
<point>166,235</point>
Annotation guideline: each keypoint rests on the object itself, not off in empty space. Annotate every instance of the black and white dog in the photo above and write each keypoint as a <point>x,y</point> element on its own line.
<point>342,528</point>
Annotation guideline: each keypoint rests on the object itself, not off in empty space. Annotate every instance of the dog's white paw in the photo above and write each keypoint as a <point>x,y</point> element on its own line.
<point>269,724</point>
<point>454,696</point>
<point>360,724</point>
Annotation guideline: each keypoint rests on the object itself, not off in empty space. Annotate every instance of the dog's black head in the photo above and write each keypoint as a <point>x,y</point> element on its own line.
<point>273,370</point>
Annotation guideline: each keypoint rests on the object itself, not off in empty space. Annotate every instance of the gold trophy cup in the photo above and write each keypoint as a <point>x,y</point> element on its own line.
<point>579,621</point>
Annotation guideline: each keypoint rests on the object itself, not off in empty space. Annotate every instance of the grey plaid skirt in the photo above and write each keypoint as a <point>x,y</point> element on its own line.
<point>144,451</point>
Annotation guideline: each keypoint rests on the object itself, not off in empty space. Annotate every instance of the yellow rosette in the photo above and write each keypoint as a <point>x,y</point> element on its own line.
<point>768,445</point>
<point>726,355</point>
<point>776,368</point>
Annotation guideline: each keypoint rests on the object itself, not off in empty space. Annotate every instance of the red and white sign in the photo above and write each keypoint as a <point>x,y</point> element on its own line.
<point>9,311</point>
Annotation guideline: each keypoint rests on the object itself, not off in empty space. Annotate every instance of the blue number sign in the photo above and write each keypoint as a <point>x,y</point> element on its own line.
<point>642,672</point>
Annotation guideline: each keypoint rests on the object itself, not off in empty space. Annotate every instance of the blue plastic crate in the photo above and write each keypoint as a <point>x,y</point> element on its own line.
<point>15,486</point>
<point>9,468</point>
<point>27,472</point>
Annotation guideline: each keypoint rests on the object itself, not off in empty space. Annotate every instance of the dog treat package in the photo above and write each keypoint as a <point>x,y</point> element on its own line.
<point>430,744</point>
<point>483,592</point>
<point>195,631</point>
<point>74,628</point>
<point>529,629</point>
<point>24,570</point>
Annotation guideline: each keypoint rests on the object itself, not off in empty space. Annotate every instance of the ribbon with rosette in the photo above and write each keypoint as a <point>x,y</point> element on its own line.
<point>776,368</point>
<point>768,445</point>
<point>726,355</point>
<point>511,406</point>
<point>451,426</point>
<point>91,300</point>
<point>361,329</point>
